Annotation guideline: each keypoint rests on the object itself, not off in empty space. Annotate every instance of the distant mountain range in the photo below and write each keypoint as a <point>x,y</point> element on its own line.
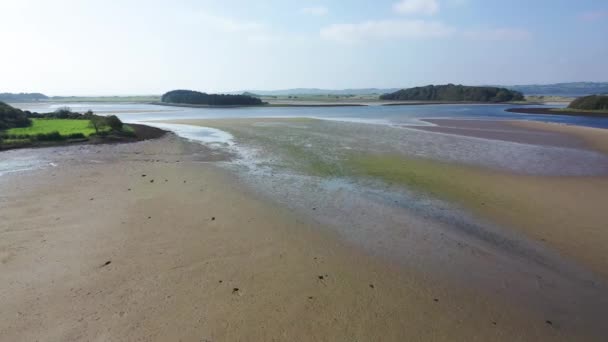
<point>315,91</point>
<point>572,89</point>
<point>22,97</point>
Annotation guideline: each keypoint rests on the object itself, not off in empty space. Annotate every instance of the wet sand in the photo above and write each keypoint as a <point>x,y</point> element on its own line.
<point>149,241</point>
<point>525,132</point>
<point>595,138</point>
<point>558,111</point>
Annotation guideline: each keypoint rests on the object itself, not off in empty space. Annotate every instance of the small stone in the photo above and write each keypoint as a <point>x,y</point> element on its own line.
<point>549,322</point>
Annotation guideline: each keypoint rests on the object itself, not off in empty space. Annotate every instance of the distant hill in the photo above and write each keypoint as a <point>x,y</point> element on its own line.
<point>456,93</point>
<point>198,98</point>
<point>572,89</point>
<point>593,102</point>
<point>23,97</point>
<point>316,91</point>
<point>12,117</point>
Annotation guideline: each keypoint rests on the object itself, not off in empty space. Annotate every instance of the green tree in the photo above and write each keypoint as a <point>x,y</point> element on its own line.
<point>98,123</point>
<point>114,123</point>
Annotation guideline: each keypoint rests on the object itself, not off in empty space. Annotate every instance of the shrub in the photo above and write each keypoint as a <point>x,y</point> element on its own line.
<point>52,136</point>
<point>76,136</point>
<point>114,123</point>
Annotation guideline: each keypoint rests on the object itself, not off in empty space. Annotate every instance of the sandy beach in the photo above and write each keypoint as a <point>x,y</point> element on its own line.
<point>149,241</point>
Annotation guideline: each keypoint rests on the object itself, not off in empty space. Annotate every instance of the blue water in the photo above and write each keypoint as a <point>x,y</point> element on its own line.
<point>373,114</point>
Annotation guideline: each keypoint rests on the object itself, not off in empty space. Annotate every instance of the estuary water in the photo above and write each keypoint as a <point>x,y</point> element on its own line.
<point>400,115</point>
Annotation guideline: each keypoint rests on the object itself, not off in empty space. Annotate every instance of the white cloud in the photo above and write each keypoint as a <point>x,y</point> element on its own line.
<point>385,29</point>
<point>500,34</point>
<point>427,7</point>
<point>317,11</point>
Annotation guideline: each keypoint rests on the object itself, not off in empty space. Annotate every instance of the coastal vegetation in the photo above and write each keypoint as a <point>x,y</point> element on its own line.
<point>454,93</point>
<point>21,129</point>
<point>593,102</point>
<point>11,117</point>
<point>198,98</point>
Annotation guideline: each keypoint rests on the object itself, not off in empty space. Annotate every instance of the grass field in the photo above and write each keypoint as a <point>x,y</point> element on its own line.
<point>64,127</point>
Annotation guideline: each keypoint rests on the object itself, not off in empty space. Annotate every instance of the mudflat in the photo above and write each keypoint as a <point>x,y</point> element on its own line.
<point>148,241</point>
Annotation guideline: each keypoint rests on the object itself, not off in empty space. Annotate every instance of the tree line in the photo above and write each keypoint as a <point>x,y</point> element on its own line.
<point>593,102</point>
<point>198,98</point>
<point>456,93</point>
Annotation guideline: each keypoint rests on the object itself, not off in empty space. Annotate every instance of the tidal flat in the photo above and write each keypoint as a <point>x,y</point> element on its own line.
<point>335,230</point>
<point>525,220</point>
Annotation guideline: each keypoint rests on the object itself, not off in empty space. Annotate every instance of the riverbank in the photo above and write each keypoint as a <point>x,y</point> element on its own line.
<point>558,111</point>
<point>150,241</point>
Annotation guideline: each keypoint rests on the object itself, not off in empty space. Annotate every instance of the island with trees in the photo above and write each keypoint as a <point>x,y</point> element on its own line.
<point>26,129</point>
<point>190,97</point>
<point>454,93</point>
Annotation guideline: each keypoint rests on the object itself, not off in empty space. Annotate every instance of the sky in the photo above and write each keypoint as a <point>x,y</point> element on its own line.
<point>128,47</point>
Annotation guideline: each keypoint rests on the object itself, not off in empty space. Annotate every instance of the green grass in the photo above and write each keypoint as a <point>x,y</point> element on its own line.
<point>63,126</point>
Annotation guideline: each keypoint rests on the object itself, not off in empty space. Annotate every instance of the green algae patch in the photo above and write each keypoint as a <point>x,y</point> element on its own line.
<point>463,185</point>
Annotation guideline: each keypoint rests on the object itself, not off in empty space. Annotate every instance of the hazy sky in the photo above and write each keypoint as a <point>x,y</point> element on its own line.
<point>80,47</point>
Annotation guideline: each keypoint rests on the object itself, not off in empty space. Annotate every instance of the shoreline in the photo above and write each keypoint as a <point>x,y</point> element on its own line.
<point>557,111</point>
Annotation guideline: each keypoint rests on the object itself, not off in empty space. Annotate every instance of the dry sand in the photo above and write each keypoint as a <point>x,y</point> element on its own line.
<point>94,250</point>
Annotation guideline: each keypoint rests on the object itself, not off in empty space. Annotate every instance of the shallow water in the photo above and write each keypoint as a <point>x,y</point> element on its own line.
<point>369,114</point>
